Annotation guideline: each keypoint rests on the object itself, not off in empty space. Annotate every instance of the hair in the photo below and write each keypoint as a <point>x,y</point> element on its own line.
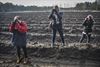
<point>89,17</point>
<point>56,6</point>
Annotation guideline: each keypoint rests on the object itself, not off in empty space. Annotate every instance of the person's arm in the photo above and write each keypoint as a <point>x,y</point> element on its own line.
<point>22,27</point>
<point>11,27</point>
<point>51,14</point>
<point>84,22</point>
<point>26,26</point>
<point>61,15</point>
<point>92,23</point>
<point>50,17</point>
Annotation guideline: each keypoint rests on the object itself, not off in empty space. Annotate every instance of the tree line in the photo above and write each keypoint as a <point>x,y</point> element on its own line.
<point>5,7</point>
<point>88,6</point>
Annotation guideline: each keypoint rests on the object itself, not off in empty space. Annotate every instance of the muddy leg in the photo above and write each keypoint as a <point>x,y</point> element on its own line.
<point>54,36</point>
<point>25,54</point>
<point>62,37</point>
<point>82,38</point>
<point>88,38</point>
<point>18,54</point>
<point>25,51</point>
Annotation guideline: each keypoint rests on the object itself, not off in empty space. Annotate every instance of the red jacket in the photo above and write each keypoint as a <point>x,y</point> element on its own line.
<point>21,27</point>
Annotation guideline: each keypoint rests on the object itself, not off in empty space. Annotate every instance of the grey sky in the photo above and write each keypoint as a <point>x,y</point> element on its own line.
<point>62,3</point>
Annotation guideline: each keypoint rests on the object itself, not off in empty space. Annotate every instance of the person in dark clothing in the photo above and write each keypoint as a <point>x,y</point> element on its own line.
<point>56,24</point>
<point>19,37</point>
<point>88,24</point>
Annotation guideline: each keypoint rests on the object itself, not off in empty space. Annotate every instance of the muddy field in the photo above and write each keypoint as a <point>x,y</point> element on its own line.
<point>39,39</point>
<point>38,25</point>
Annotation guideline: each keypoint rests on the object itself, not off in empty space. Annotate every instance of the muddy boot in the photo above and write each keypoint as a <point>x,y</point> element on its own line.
<point>25,60</point>
<point>52,45</point>
<point>63,44</point>
<point>18,60</point>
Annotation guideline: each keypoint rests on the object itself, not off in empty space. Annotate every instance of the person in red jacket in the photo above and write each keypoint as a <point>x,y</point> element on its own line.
<point>19,30</point>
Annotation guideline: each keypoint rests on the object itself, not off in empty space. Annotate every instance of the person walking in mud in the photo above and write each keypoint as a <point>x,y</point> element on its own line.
<point>19,29</point>
<point>87,24</point>
<point>56,24</point>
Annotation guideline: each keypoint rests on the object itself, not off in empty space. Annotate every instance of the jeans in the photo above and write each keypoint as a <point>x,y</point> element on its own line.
<point>54,35</point>
<point>19,51</point>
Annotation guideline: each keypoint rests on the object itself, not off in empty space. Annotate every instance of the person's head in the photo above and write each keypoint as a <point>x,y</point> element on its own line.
<point>90,17</point>
<point>17,18</point>
<point>56,8</point>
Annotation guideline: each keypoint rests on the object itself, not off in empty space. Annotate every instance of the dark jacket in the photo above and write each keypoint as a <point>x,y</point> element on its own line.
<point>88,24</point>
<point>52,16</point>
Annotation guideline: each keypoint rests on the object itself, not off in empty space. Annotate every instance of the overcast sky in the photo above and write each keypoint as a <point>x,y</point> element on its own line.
<point>62,3</point>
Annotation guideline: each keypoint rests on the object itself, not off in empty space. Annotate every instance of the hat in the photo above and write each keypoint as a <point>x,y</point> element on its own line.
<point>16,18</point>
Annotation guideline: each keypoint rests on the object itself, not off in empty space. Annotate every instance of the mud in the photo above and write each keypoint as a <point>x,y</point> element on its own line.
<point>72,55</point>
<point>40,53</point>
